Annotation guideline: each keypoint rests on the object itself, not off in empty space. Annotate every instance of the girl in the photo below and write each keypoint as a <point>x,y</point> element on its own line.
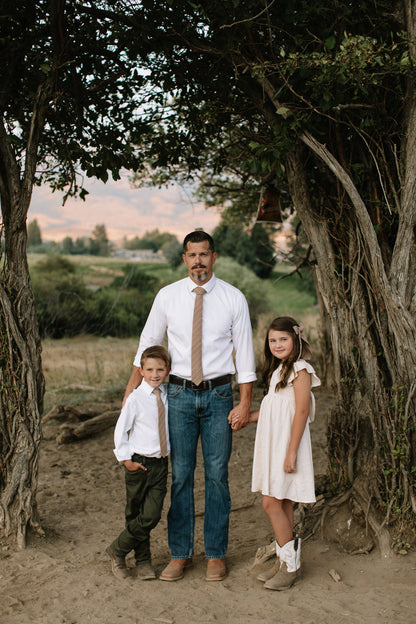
<point>282,465</point>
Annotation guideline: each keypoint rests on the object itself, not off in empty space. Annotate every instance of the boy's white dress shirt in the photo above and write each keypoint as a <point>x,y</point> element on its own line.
<point>137,426</point>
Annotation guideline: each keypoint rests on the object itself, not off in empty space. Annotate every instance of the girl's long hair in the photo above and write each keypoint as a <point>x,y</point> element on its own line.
<point>286,324</point>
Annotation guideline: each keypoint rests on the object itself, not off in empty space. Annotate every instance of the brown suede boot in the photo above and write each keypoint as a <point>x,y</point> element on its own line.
<point>290,569</point>
<point>267,574</point>
<point>118,564</point>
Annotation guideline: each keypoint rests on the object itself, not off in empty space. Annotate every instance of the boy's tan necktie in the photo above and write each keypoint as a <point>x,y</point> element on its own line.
<point>196,350</point>
<point>161,423</point>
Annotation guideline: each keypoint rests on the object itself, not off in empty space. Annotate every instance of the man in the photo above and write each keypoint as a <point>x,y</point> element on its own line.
<point>201,408</point>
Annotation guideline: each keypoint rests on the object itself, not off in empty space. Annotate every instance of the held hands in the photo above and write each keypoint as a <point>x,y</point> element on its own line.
<point>131,466</point>
<point>238,417</point>
<point>235,417</point>
<point>290,462</point>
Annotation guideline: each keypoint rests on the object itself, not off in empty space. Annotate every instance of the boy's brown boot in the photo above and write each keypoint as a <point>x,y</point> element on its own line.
<point>118,564</point>
<point>145,571</point>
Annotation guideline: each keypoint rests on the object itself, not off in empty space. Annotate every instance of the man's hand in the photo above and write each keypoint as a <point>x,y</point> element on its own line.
<point>239,415</point>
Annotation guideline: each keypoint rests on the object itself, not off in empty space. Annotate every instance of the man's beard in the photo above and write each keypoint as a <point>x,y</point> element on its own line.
<point>199,277</point>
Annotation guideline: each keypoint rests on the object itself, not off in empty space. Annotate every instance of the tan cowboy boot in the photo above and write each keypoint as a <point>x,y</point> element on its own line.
<point>289,571</point>
<point>267,574</point>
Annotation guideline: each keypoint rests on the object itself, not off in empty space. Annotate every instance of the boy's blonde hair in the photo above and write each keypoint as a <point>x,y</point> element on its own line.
<point>157,352</point>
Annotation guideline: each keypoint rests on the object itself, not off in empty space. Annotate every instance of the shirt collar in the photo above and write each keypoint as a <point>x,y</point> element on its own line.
<point>190,284</point>
<point>148,389</point>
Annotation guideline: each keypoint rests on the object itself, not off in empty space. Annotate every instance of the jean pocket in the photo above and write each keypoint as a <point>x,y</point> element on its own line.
<point>224,392</point>
<point>174,391</point>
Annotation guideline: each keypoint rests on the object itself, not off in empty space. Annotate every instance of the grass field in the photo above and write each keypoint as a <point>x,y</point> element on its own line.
<point>288,295</point>
<point>93,368</point>
<point>97,368</point>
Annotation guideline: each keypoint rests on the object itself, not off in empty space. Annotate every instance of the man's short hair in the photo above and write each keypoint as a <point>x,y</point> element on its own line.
<point>157,352</point>
<point>198,236</point>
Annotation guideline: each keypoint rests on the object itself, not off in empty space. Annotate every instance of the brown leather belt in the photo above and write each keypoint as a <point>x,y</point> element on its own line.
<point>207,384</point>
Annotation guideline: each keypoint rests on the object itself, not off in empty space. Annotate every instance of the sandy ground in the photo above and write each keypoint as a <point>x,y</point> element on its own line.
<point>65,578</point>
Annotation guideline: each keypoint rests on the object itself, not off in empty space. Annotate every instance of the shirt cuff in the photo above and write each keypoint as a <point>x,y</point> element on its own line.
<point>246,377</point>
<point>121,456</point>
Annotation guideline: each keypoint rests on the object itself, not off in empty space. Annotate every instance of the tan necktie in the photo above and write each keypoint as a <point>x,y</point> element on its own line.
<point>161,423</point>
<point>196,351</point>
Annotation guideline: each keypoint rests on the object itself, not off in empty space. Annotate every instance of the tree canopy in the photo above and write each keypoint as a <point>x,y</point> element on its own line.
<point>70,96</point>
<point>253,248</point>
<point>316,98</point>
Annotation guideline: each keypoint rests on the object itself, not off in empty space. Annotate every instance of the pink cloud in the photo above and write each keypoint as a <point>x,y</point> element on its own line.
<point>124,210</point>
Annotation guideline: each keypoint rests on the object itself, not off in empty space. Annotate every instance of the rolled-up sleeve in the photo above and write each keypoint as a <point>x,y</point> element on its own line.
<point>242,336</point>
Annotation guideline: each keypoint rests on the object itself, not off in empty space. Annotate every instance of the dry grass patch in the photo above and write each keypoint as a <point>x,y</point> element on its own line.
<point>86,368</point>
<point>89,368</point>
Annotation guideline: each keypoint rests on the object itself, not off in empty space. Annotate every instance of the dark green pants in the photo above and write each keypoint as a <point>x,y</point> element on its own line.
<point>145,493</point>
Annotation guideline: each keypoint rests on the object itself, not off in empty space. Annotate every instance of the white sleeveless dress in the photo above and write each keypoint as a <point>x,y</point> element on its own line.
<point>272,441</point>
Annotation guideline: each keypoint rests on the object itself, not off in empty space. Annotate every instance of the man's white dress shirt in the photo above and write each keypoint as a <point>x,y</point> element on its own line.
<point>225,327</point>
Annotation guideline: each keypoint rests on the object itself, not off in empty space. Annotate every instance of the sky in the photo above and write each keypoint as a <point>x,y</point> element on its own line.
<point>124,210</point>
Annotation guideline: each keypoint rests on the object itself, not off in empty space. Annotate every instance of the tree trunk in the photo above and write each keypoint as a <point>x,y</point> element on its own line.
<point>22,387</point>
<point>22,382</point>
<point>373,337</point>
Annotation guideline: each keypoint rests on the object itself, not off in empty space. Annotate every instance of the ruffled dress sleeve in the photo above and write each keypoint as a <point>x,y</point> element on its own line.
<point>315,382</point>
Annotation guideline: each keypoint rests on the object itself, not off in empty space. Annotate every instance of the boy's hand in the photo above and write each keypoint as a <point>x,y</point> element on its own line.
<point>131,466</point>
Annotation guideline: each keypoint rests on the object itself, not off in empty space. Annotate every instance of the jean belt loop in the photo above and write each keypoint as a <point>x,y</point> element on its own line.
<point>184,384</point>
<point>210,384</point>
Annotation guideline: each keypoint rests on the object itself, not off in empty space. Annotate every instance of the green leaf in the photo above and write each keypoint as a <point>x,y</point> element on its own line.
<point>282,110</point>
<point>330,43</point>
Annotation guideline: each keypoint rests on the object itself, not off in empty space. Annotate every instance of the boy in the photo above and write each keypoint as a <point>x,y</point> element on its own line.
<point>142,443</point>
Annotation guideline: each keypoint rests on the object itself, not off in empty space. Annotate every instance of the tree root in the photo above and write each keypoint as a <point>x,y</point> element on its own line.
<point>349,519</point>
<point>363,498</point>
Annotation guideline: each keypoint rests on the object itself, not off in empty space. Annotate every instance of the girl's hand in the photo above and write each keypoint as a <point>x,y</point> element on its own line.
<point>290,462</point>
<point>238,417</point>
<point>234,420</point>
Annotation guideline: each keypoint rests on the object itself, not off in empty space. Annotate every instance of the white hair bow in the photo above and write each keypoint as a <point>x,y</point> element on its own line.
<point>304,347</point>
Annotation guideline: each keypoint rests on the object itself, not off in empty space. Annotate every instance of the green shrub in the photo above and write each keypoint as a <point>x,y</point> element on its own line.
<point>54,263</point>
<point>66,306</point>
<point>61,303</point>
<point>134,277</point>
<point>112,312</point>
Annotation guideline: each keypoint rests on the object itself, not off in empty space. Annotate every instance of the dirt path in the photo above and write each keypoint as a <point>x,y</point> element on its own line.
<point>64,578</point>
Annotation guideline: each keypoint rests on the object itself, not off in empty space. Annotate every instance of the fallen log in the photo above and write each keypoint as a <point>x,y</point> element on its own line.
<point>71,413</point>
<point>71,432</point>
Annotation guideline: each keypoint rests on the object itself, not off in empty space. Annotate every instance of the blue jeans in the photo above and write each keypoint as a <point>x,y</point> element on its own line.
<point>193,414</point>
